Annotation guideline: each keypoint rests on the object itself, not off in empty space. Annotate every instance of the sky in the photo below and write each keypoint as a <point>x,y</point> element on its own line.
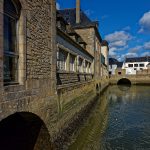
<point>125,24</point>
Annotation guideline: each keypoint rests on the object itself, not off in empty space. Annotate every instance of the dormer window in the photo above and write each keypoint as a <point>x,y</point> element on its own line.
<point>11,17</point>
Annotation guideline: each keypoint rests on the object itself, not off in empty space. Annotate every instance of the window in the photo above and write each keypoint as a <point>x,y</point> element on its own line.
<point>141,65</point>
<point>61,60</point>
<point>80,65</point>
<point>86,67</point>
<point>72,63</point>
<point>11,16</point>
<point>130,65</point>
<point>135,65</point>
<point>89,68</point>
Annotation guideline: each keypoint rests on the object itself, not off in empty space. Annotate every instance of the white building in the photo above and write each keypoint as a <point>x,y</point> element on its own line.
<point>113,65</point>
<point>132,65</point>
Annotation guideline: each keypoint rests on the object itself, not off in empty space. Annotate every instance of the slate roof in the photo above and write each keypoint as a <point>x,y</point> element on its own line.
<point>119,64</point>
<point>112,61</point>
<point>104,43</point>
<point>70,16</point>
<point>138,59</point>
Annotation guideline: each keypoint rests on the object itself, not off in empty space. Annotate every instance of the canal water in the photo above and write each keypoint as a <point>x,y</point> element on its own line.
<point>120,121</point>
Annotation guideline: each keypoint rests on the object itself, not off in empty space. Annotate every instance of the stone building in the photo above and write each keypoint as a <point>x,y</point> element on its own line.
<point>27,73</point>
<point>46,74</point>
<point>88,30</point>
<point>74,63</point>
<point>104,59</point>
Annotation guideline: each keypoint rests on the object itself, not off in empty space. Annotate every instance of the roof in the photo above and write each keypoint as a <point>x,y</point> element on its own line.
<point>85,22</point>
<point>138,59</point>
<point>70,16</point>
<point>60,18</point>
<point>112,61</point>
<point>104,43</point>
<point>119,64</point>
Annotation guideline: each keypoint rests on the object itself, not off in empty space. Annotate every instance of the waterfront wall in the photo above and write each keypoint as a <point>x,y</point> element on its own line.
<point>135,79</point>
<point>75,104</point>
<point>35,102</point>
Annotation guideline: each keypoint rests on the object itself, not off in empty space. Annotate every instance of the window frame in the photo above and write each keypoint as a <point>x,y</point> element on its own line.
<point>130,65</point>
<point>141,65</point>
<point>9,53</point>
<point>72,63</point>
<point>62,60</point>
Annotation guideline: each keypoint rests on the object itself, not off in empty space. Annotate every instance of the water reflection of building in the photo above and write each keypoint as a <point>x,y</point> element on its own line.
<point>90,136</point>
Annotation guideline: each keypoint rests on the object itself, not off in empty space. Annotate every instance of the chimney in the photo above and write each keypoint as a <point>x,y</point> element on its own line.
<point>77,11</point>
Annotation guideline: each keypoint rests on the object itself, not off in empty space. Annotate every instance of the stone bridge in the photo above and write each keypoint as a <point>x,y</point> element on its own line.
<point>134,79</point>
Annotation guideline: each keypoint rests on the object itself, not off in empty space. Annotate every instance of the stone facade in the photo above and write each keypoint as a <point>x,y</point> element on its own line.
<point>93,47</point>
<point>36,104</point>
<point>35,90</point>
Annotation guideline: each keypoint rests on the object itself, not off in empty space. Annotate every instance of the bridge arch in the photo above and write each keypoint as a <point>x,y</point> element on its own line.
<point>24,131</point>
<point>124,81</point>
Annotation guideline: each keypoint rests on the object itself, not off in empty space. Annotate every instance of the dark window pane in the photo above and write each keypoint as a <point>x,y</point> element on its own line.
<point>10,68</point>
<point>9,7</point>
<point>9,34</point>
<point>141,65</point>
<point>130,65</point>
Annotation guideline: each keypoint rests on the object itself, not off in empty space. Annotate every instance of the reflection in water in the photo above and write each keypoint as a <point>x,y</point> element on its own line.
<point>124,87</point>
<point>121,121</point>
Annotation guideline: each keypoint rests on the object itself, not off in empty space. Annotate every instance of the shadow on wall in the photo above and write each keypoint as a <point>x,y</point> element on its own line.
<point>98,88</point>
<point>24,131</point>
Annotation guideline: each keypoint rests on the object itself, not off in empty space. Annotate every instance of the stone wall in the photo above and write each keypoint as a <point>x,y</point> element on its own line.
<point>93,47</point>
<point>135,79</point>
<point>88,36</point>
<point>35,91</point>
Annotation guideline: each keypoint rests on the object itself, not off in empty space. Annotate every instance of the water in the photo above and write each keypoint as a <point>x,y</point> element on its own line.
<point>120,121</point>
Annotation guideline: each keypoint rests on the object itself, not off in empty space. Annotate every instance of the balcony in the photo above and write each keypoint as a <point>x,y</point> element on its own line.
<point>65,79</point>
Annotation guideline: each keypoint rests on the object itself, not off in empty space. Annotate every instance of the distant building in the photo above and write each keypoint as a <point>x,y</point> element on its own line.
<point>104,59</point>
<point>132,65</point>
<point>115,67</point>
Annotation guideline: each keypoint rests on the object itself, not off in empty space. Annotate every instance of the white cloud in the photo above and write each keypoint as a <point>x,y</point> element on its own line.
<point>118,41</point>
<point>130,55</point>
<point>146,54</point>
<point>57,6</point>
<point>147,46</point>
<point>118,36</point>
<point>135,49</point>
<point>145,23</point>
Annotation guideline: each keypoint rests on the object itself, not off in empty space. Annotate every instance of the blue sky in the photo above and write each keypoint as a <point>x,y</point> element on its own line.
<point>125,24</point>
